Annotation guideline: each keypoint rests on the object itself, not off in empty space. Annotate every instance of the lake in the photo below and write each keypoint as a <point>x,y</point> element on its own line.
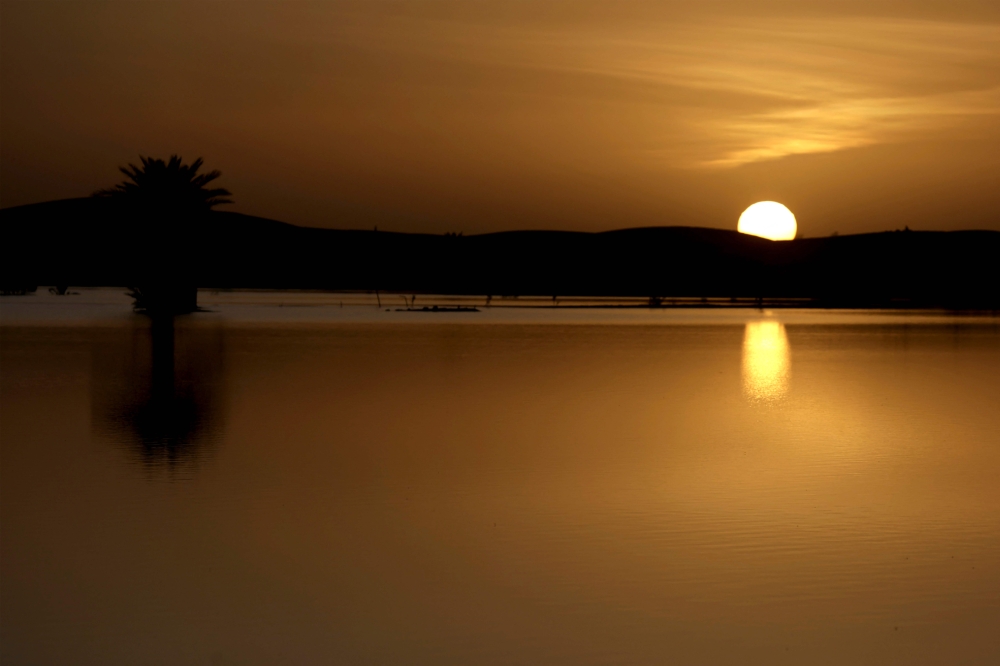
<point>324,478</point>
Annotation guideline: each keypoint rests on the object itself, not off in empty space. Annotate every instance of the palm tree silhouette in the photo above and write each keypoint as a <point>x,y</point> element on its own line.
<point>168,199</point>
<point>167,186</point>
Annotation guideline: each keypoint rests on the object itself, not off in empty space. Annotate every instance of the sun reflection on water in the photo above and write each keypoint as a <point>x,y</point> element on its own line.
<point>766,361</point>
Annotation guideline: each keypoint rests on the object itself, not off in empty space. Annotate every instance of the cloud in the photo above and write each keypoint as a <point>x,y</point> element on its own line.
<point>741,90</point>
<point>825,125</point>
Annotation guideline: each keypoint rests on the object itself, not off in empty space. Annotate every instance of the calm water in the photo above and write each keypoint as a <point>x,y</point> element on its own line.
<point>317,484</point>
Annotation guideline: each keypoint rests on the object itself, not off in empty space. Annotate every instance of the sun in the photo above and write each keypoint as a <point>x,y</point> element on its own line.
<point>768,219</point>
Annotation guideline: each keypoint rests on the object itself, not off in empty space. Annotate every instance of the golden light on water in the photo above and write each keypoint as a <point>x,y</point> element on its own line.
<point>766,361</point>
<point>768,219</point>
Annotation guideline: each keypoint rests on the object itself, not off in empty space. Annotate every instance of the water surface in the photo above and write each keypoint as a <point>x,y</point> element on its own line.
<point>320,484</point>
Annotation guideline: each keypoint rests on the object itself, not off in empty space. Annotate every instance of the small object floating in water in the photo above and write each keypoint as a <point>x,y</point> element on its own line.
<point>440,308</point>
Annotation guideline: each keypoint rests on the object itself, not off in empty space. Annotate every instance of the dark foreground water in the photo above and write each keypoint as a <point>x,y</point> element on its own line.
<point>321,484</point>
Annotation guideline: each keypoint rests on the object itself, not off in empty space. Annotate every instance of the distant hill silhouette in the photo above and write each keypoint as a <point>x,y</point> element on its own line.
<point>91,242</point>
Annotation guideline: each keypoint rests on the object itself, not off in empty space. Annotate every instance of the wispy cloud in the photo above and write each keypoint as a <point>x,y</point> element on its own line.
<point>737,91</point>
<point>825,125</point>
<point>841,84</point>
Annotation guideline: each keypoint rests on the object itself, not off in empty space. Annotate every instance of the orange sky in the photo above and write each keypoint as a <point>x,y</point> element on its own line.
<point>484,115</point>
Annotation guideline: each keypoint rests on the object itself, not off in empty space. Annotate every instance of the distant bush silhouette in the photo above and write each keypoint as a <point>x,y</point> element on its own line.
<point>168,186</point>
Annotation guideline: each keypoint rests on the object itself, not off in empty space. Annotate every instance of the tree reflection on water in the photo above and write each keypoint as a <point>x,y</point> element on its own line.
<point>158,391</point>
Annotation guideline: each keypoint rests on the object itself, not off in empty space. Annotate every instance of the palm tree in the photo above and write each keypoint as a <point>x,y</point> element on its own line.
<point>160,186</point>
<point>168,199</point>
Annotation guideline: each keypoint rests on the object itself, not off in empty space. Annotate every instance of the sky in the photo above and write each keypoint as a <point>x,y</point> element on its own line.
<point>487,115</point>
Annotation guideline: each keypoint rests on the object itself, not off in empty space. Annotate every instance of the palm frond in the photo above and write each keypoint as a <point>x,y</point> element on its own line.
<point>168,185</point>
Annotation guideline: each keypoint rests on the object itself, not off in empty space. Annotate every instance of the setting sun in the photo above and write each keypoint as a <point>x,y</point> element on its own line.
<point>768,219</point>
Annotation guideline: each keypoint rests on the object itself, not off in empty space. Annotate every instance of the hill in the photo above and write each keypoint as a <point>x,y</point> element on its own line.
<point>86,242</point>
